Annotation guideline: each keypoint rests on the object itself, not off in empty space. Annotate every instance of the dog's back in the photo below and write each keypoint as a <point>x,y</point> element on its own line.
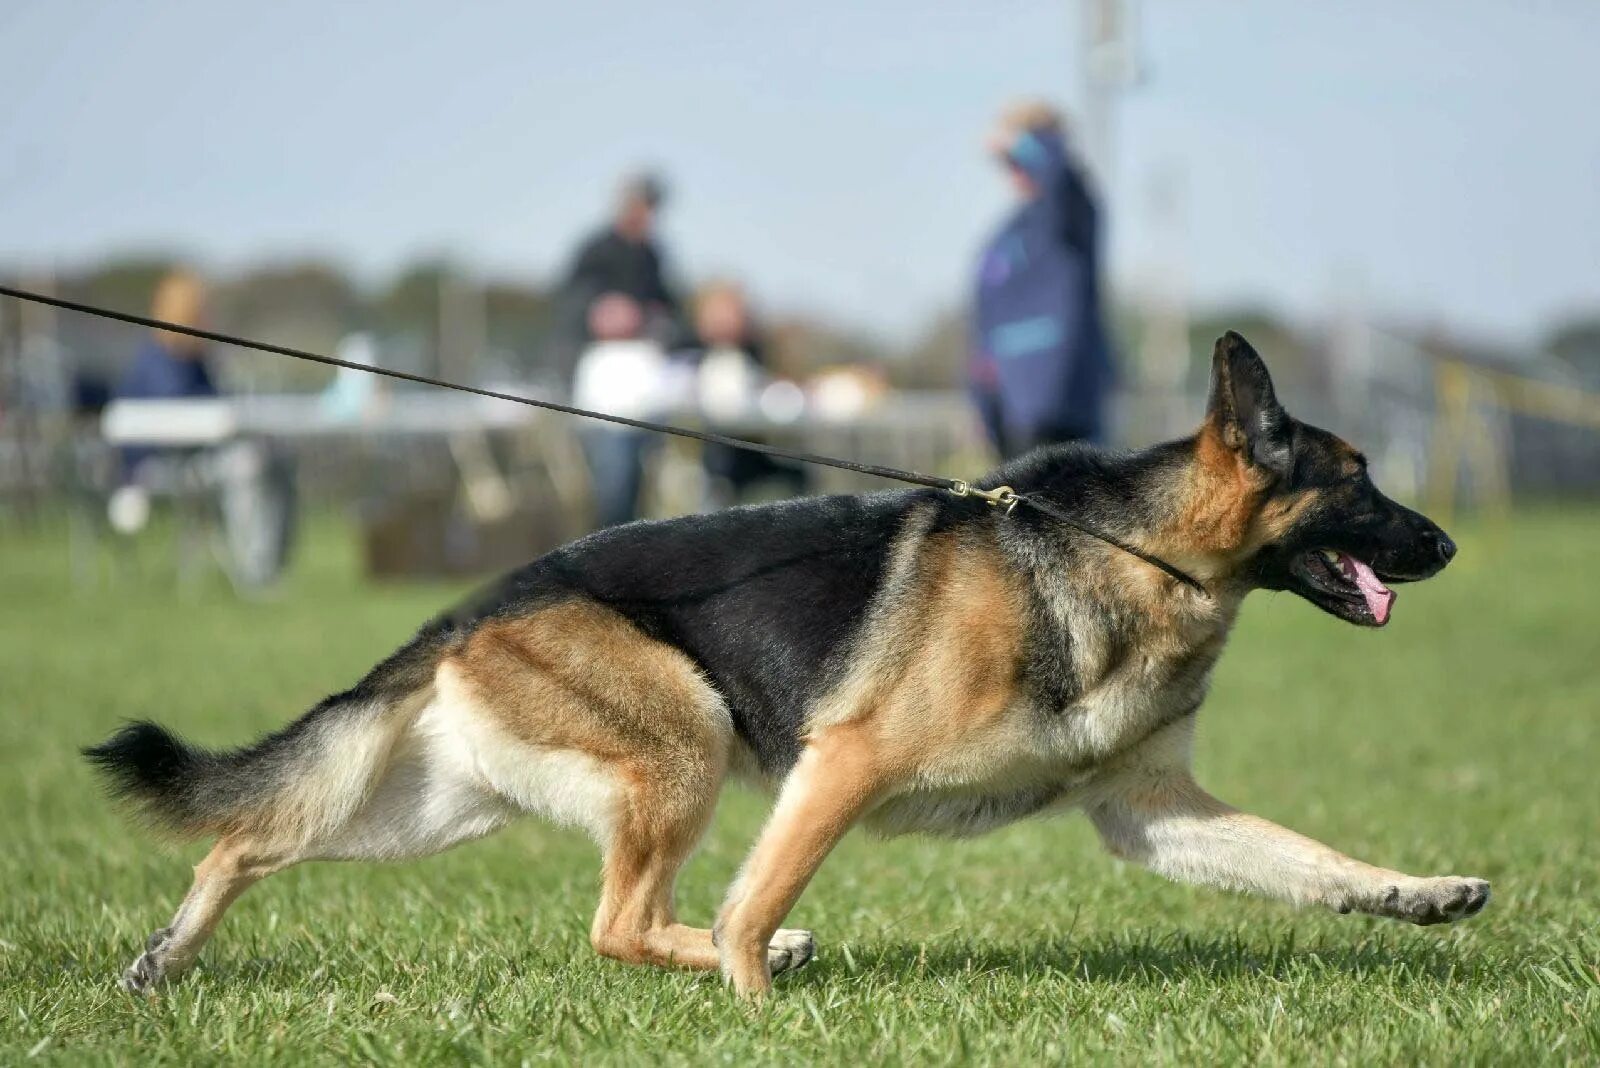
<point>762,599</point>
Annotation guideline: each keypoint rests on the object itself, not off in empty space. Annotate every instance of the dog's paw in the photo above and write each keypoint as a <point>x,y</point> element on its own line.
<point>789,950</point>
<point>148,972</point>
<point>1425,902</point>
<point>144,975</point>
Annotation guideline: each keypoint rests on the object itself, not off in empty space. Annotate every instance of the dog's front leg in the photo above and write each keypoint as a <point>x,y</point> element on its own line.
<point>832,784</point>
<point>1164,820</point>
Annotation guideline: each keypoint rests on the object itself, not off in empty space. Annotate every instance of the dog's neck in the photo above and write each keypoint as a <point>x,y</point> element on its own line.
<point>1191,503</point>
<point>1213,522</point>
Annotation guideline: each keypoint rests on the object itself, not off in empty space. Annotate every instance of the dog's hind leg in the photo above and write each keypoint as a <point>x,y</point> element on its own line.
<point>651,838</point>
<point>415,802</point>
<point>234,864</point>
<point>573,713</point>
<point>658,822</point>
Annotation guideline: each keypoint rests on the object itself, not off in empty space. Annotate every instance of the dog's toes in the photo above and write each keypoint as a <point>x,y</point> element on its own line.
<point>150,970</point>
<point>143,976</point>
<point>1467,898</point>
<point>1442,900</point>
<point>789,950</point>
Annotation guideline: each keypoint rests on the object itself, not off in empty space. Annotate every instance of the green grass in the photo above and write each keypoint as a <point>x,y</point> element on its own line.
<point>1462,739</point>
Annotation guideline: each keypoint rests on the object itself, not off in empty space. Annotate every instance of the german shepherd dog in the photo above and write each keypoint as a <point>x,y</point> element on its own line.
<point>910,661</point>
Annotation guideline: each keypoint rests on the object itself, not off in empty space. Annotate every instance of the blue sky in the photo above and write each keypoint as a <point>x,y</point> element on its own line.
<point>1440,160</point>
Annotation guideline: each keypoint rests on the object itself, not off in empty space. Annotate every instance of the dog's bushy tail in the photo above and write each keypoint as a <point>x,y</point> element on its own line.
<point>147,764</point>
<point>311,775</point>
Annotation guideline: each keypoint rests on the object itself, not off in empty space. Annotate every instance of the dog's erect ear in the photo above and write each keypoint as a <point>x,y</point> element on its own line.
<point>1243,408</point>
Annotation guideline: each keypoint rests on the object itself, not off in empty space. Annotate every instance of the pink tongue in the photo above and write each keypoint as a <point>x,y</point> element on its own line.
<point>1379,597</point>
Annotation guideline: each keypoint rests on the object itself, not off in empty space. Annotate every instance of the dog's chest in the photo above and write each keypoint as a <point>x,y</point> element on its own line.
<point>1121,680</point>
<point>1042,756</point>
<point>1132,702</point>
<point>1090,683</point>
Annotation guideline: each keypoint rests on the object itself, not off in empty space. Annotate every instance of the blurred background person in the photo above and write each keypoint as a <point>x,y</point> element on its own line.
<point>621,372</point>
<point>621,257</point>
<point>731,371</point>
<point>249,483</point>
<point>166,366</point>
<point>1041,366</point>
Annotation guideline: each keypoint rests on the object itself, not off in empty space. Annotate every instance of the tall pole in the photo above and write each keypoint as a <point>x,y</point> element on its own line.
<point>1109,65</point>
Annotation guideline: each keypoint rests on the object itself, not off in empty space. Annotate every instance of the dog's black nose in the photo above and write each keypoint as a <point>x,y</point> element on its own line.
<point>1445,547</point>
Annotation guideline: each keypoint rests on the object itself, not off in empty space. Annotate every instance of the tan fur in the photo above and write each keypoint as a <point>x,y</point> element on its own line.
<point>939,666</point>
<point>234,864</point>
<point>929,691</point>
<point>1148,808</point>
<point>1227,512</point>
<point>837,778</point>
<point>931,712</point>
<point>579,677</point>
<point>1278,517</point>
<point>1223,494</point>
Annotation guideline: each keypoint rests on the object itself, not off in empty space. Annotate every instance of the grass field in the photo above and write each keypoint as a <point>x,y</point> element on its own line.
<point>1462,739</point>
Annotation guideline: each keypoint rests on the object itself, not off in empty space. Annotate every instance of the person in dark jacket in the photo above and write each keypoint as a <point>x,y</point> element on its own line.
<point>251,481</point>
<point>621,257</point>
<point>169,365</point>
<point>1041,368</point>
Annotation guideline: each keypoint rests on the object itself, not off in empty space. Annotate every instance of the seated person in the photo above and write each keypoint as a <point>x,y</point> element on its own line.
<point>168,366</point>
<point>252,483</point>
<point>730,375</point>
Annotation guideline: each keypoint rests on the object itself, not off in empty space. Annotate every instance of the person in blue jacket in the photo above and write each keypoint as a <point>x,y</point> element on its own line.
<point>1041,368</point>
<point>251,481</point>
<point>168,366</point>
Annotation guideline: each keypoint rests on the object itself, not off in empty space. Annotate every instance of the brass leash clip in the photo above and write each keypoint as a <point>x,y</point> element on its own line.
<point>1002,497</point>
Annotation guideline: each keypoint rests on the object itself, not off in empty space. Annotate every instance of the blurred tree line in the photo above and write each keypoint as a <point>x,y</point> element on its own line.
<point>314,304</point>
<point>502,327</point>
<point>1576,343</point>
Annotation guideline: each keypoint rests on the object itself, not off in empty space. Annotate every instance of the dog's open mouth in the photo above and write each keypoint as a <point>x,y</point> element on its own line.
<point>1346,586</point>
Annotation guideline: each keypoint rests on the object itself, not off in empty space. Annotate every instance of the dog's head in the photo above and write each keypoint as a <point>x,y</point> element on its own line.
<point>1318,525</point>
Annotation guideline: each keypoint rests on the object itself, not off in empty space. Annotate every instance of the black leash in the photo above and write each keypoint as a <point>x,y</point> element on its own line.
<point>1002,497</point>
<point>1059,516</point>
